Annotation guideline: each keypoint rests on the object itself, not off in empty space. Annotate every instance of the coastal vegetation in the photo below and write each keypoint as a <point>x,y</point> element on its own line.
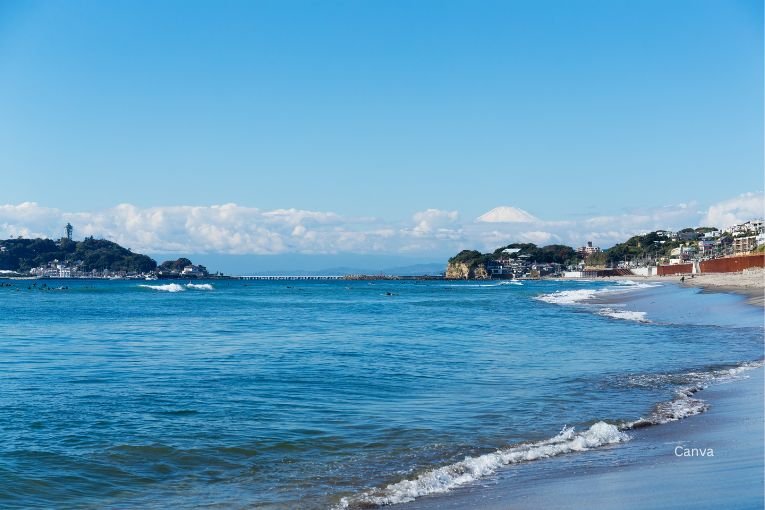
<point>181,267</point>
<point>655,245</point>
<point>469,264</point>
<point>646,248</point>
<point>176,265</point>
<point>552,254</point>
<point>90,254</point>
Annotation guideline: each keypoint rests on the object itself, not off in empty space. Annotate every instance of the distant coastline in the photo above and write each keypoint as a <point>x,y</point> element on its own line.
<point>89,259</point>
<point>658,253</point>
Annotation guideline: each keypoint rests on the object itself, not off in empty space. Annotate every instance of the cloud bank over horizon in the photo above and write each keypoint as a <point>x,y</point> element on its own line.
<point>240,230</point>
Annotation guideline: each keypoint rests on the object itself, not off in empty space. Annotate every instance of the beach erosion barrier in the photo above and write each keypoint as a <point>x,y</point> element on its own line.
<point>723,265</point>
<point>674,269</point>
<point>733,264</point>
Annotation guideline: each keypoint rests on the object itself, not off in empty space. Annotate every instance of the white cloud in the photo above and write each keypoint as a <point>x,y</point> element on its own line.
<point>432,220</point>
<point>536,237</point>
<point>735,210</point>
<point>506,214</point>
<point>235,229</point>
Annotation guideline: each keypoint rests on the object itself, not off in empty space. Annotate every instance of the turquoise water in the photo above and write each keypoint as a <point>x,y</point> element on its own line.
<point>320,394</point>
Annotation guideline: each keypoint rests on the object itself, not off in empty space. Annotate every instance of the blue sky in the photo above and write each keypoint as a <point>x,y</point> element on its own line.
<point>379,111</point>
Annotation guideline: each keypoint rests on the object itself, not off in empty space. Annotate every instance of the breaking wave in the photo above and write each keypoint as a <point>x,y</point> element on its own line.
<point>496,284</point>
<point>684,404</point>
<point>470,469</point>
<point>199,286</point>
<point>569,297</point>
<point>174,287</point>
<point>637,285</point>
<point>627,315</point>
<point>587,298</point>
<point>168,287</point>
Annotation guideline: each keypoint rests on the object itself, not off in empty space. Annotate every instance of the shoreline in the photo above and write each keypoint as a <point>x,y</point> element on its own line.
<point>645,472</point>
<point>660,467</point>
<point>749,283</point>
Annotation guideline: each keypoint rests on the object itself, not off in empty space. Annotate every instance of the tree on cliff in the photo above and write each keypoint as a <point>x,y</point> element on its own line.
<point>471,258</point>
<point>553,253</point>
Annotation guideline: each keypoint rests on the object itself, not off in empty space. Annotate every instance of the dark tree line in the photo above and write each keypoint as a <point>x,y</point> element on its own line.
<point>95,254</point>
<point>554,253</point>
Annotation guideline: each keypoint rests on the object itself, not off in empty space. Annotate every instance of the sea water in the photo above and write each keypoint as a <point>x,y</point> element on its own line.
<point>337,394</point>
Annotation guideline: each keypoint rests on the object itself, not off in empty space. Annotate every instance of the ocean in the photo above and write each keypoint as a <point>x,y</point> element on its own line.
<point>338,394</point>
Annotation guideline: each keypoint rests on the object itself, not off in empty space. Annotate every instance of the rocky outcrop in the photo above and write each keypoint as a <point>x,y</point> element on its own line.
<point>463,271</point>
<point>457,271</point>
<point>480,273</point>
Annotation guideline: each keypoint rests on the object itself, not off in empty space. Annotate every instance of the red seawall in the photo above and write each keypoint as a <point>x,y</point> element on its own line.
<point>674,269</point>
<point>724,265</point>
<point>732,264</point>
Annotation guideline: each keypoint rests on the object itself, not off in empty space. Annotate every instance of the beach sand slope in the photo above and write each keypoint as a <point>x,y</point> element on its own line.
<point>750,282</point>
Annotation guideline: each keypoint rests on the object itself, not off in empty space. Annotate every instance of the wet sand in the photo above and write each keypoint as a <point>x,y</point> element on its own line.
<point>646,472</point>
<point>750,283</point>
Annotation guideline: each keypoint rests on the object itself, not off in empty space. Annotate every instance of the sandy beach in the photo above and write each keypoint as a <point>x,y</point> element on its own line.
<point>750,282</point>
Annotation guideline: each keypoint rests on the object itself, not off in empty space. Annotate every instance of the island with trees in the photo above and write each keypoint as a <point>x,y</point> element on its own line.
<point>89,258</point>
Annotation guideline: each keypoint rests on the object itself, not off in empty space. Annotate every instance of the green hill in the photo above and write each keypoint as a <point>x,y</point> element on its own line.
<point>92,254</point>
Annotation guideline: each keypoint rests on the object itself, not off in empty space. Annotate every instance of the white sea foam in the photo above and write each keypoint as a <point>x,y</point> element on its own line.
<point>496,284</point>
<point>627,315</point>
<point>168,287</point>
<point>684,404</point>
<point>569,297</point>
<point>199,286</point>
<point>470,469</point>
<point>586,297</point>
<point>696,379</point>
<point>174,287</point>
<point>637,285</point>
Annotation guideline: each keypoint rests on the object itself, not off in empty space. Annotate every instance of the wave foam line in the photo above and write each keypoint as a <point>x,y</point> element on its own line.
<point>174,287</point>
<point>637,285</point>
<point>684,404</point>
<point>199,286</point>
<point>446,478</point>
<point>627,315</point>
<point>483,285</point>
<point>470,469</point>
<point>168,287</point>
<point>571,297</point>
